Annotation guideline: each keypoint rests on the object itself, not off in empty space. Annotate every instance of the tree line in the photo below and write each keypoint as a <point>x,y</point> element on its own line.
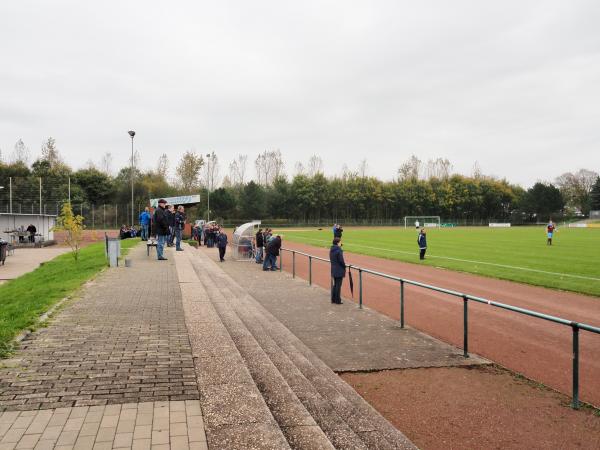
<point>307,195</point>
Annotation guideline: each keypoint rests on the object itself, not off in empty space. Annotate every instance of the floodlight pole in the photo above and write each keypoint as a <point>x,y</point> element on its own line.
<point>132,134</point>
<point>208,156</point>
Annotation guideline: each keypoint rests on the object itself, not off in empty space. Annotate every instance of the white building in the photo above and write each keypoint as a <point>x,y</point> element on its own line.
<point>12,221</point>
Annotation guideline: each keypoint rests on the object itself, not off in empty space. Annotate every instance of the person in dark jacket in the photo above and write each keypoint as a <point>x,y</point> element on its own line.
<point>179,226</point>
<point>31,229</point>
<point>337,231</point>
<point>272,253</point>
<point>222,245</point>
<point>422,241</point>
<point>338,270</point>
<point>161,225</point>
<point>260,242</point>
<point>171,217</point>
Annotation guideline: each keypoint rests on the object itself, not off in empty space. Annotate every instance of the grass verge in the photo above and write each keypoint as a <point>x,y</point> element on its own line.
<point>25,298</point>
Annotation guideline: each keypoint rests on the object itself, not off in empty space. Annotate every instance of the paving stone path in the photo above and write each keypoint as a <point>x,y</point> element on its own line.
<point>123,343</point>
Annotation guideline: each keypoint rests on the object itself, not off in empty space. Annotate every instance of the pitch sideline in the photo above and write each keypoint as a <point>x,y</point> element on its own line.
<point>506,266</point>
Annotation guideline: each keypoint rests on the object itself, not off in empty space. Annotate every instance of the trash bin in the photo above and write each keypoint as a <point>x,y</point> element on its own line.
<point>3,251</point>
<point>113,250</point>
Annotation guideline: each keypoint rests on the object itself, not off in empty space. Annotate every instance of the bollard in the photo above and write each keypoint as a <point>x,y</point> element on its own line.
<point>128,262</point>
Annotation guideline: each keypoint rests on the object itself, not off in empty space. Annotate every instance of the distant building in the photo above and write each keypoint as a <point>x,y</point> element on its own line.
<point>10,222</point>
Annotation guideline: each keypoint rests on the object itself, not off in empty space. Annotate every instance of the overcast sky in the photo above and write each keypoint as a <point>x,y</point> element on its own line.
<point>514,85</point>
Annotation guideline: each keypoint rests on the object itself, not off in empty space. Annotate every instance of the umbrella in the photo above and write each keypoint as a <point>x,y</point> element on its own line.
<point>351,281</point>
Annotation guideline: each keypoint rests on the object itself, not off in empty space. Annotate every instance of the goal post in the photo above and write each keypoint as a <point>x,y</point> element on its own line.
<point>422,221</point>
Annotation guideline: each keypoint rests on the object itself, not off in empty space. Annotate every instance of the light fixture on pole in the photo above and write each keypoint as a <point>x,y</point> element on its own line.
<point>132,134</point>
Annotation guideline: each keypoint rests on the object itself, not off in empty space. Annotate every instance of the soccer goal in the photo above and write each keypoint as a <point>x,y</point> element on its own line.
<point>422,221</point>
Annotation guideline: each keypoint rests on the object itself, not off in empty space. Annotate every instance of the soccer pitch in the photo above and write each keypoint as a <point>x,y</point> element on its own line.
<point>518,254</point>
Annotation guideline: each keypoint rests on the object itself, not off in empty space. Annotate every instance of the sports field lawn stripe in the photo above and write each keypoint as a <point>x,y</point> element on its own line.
<point>517,254</point>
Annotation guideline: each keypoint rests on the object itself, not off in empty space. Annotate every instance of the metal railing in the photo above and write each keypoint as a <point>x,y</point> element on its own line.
<point>466,298</point>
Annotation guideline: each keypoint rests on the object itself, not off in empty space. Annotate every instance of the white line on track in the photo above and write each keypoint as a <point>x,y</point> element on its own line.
<point>506,266</point>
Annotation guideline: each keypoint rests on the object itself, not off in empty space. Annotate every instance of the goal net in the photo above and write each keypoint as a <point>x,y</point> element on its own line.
<point>422,221</point>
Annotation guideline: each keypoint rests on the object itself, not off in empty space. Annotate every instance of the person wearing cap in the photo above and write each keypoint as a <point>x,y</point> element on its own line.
<point>338,270</point>
<point>161,224</point>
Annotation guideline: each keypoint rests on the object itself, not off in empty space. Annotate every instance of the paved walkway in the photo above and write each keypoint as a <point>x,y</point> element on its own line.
<point>345,337</point>
<point>27,259</point>
<point>181,354</point>
<point>123,343</point>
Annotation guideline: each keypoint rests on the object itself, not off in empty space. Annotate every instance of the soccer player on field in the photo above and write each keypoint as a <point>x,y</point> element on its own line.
<point>550,232</point>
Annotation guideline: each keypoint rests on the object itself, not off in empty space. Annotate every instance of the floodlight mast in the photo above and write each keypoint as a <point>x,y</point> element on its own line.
<point>132,134</point>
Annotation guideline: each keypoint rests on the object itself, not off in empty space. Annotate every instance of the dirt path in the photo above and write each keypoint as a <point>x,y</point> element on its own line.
<point>478,407</point>
<point>538,349</point>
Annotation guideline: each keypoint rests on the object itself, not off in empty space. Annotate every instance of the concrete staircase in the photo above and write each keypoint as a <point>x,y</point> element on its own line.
<point>260,386</point>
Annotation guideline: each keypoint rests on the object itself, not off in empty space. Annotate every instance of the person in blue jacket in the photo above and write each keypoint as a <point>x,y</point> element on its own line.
<point>338,270</point>
<point>422,241</point>
<point>222,244</point>
<point>145,219</point>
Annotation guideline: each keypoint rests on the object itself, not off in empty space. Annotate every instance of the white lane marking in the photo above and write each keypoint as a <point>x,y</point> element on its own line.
<point>506,266</point>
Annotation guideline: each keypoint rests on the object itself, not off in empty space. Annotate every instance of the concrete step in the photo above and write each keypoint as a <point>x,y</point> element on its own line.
<point>296,423</point>
<point>235,413</point>
<point>296,385</point>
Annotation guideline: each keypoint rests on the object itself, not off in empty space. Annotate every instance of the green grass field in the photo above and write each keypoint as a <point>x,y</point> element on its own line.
<point>517,254</point>
<point>24,299</point>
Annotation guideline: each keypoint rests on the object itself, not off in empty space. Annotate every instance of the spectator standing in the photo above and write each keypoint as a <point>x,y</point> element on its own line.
<point>260,241</point>
<point>161,224</point>
<point>422,241</point>
<point>222,245</point>
<point>145,223</point>
<point>337,231</point>
<point>338,270</point>
<point>179,226</point>
<point>171,218</point>
<point>31,229</point>
<point>272,253</point>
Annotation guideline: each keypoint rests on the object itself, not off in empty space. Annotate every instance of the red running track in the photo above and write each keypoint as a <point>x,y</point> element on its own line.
<point>536,348</point>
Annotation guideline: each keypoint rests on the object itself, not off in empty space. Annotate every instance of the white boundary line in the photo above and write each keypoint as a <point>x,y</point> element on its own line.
<point>506,266</point>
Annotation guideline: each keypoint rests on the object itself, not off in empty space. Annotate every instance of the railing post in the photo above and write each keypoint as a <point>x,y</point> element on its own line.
<point>401,303</point>
<point>466,326</point>
<point>360,289</point>
<point>293,264</point>
<point>310,270</point>
<point>575,403</point>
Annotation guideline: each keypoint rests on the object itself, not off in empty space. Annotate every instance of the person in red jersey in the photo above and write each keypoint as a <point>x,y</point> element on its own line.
<point>550,228</point>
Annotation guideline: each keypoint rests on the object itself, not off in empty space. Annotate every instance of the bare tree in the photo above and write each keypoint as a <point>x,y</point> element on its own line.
<point>106,163</point>
<point>1,157</point>
<point>90,165</point>
<point>476,171</point>
<point>162,166</point>
<point>410,170</point>
<point>50,152</point>
<point>299,169</point>
<point>438,168</point>
<point>210,174</point>
<point>576,188</point>
<point>20,153</point>
<point>269,165</point>
<point>363,169</point>
<point>237,170</point>
<point>188,170</point>
<point>315,166</point>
